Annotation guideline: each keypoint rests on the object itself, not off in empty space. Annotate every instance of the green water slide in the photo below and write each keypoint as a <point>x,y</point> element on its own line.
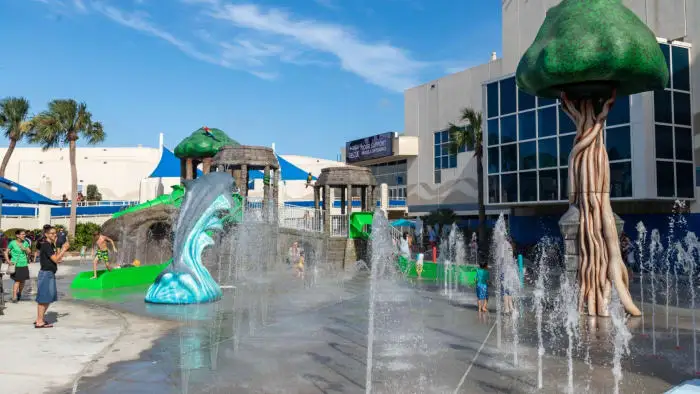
<point>118,278</point>
<point>360,225</point>
<point>465,275</point>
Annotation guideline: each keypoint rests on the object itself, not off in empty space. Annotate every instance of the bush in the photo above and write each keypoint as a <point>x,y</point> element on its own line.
<point>93,194</point>
<point>84,235</point>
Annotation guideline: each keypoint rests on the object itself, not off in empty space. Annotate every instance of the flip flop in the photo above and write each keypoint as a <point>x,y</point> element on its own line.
<point>45,325</point>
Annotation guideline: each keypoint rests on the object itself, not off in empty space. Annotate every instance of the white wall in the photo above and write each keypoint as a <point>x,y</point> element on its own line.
<point>429,108</point>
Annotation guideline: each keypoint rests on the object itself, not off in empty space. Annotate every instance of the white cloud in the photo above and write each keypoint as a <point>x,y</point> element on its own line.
<point>378,63</point>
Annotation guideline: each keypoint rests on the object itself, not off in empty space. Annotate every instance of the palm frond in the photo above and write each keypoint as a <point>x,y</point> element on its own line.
<point>13,112</point>
<point>95,133</point>
<point>47,130</point>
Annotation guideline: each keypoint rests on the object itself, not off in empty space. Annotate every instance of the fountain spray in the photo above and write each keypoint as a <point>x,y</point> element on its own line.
<point>540,289</point>
<point>499,240</point>
<point>655,250</point>
<point>641,243</point>
<point>621,337</point>
<point>693,252</point>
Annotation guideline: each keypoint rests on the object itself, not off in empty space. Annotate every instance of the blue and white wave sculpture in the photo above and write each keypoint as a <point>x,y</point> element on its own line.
<point>186,280</point>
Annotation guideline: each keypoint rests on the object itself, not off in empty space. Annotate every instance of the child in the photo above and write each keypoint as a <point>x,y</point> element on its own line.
<point>300,265</point>
<point>482,289</point>
<point>102,253</point>
<point>506,294</point>
<point>419,265</point>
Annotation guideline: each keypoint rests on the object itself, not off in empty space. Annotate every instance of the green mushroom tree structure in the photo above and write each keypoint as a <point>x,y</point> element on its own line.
<point>200,147</point>
<point>585,53</point>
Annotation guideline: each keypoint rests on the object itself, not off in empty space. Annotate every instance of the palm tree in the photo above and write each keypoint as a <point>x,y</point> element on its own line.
<point>13,119</point>
<point>65,122</point>
<point>470,135</point>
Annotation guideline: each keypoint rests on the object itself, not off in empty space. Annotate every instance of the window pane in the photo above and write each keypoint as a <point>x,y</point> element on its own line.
<point>541,101</point>
<point>667,55</point>
<point>621,179</point>
<point>620,112</point>
<point>509,188</point>
<point>438,163</point>
<point>492,126</point>
<point>437,176</point>
<point>566,125</point>
<point>508,96</point>
<point>664,142</point>
<point>528,155</point>
<point>565,144</point>
<point>493,160</point>
<point>445,136</point>
<point>681,108</point>
<point>492,99</point>
<point>684,180</point>
<point>528,186</point>
<point>548,152</point>
<point>453,161</point>
<point>525,101</point>
<point>618,143</point>
<point>563,183</point>
<point>508,129</point>
<point>526,125</point>
<point>509,158</point>
<point>681,68</point>
<point>436,138</point>
<point>662,106</point>
<point>547,121</point>
<point>445,162</point>
<point>684,143</point>
<point>664,179</point>
<point>548,185</point>
<point>438,150</point>
<point>494,189</point>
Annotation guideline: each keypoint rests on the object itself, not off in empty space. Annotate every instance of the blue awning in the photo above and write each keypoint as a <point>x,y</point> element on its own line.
<point>21,194</point>
<point>290,172</point>
<point>168,166</point>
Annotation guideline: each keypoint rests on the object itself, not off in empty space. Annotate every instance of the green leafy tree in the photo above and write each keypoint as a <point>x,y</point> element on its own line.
<point>585,54</point>
<point>13,119</point>
<point>442,217</point>
<point>93,194</point>
<point>63,123</point>
<point>470,134</point>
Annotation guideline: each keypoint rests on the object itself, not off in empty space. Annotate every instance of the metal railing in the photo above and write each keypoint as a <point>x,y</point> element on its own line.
<point>339,225</point>
<point>299,218</point>
<point>105,203</point>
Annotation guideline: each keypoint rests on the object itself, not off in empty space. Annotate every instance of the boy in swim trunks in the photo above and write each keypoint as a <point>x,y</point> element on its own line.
<point>101,252</point>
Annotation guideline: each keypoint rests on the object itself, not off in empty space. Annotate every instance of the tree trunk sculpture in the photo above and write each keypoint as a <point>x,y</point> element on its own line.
<point>600,258</point>
<point>586,53</point>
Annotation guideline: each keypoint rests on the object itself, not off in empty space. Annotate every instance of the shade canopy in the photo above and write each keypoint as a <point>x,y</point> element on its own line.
<point>403,223</point>
<point>168,166</point>
<point>21,194</point>
<point>289,171</point>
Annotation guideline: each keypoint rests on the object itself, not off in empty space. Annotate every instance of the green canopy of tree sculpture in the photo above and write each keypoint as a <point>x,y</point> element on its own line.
<point>586,53</point>
<point>204,142</point>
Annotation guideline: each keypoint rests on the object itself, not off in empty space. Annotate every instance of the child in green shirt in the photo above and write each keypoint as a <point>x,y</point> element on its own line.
<point>17,253</point>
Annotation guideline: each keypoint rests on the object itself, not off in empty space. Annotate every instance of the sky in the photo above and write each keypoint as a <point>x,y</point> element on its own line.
<point>307,75</point>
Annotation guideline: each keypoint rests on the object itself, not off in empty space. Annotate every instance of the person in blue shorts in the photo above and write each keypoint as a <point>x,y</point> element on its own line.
<point>49,258</point>
<point>482,287</point>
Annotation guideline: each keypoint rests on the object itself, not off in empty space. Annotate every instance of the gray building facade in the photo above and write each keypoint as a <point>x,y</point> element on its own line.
<point>651,137</point>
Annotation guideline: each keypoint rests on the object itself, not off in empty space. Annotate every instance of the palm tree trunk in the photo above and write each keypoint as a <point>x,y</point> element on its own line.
<point>6,159</point>
<point>73,189</point>
<point>480,200</point>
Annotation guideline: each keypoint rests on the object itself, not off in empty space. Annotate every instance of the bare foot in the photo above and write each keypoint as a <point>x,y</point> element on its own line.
<point>94,277</point>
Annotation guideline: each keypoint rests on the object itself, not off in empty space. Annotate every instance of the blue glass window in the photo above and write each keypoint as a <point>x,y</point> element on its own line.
<point>509,158</point>
<point>509,188</point>
<point>509,129</point>
<point>684,180</point>
<point>621,179</point>
<point>443,157</point>
<point>620,112</point>
<point>494,189</point>
<point>528,186</point>
<point>566,125</point>
<point>549,190</point>
<point>492,125</point>
<point>681,108</point>
<point>547,121</point>
<point>563,184</point>
<point>566,142</point>
<point>493,160</point>
<point>548,152</point>
<point>618,143</point>
<point>527,127</point>
<point>525,101</point>
<point>508,92</point>
<point>681,68</point>
<point>492,99</point>
<point>684,143</point>
<point>665,186</point>
<point>541,101</point>
<point>664,142</point>
<point>662,106</point>
<point>665,48</point>
<point>528,155</point>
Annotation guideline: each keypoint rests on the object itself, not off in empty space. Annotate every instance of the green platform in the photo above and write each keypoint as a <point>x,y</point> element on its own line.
<point>465,275</point>
<point>117,278</point>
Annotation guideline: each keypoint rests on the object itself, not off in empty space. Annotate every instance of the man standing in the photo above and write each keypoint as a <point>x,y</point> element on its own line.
<point>61,237</point>
<point>49,258</point>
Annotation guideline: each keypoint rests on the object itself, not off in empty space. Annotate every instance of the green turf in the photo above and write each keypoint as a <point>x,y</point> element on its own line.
<point>118,278</point>
<point>464,274</point>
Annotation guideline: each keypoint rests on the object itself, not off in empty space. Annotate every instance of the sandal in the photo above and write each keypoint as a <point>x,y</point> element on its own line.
<point>45,325</point>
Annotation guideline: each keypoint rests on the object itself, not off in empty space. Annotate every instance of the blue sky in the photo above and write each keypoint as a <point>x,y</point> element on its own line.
<point>305,74</point>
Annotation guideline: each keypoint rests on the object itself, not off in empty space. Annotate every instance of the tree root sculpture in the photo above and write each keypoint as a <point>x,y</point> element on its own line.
<point>600,259</point>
